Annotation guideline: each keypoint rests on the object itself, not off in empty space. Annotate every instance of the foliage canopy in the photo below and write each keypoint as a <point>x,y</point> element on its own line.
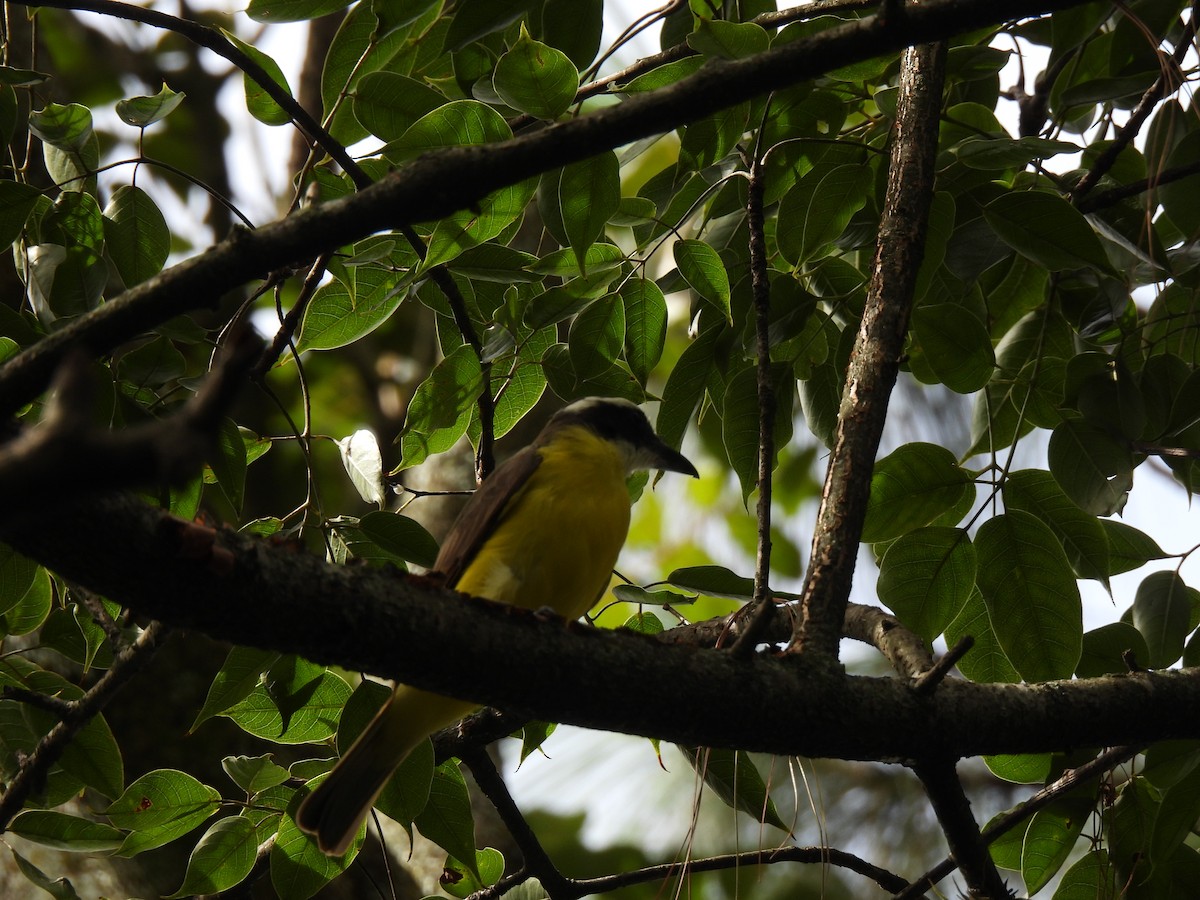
<point>755,228</point>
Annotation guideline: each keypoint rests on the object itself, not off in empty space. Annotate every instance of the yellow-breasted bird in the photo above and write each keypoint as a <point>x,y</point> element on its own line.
<point>543,531</point>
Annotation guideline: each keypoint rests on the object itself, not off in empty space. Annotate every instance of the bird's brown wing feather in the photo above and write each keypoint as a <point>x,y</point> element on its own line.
<point>483,512</point>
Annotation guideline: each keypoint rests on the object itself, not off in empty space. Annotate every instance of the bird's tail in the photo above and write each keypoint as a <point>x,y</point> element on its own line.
<point>336,808</point>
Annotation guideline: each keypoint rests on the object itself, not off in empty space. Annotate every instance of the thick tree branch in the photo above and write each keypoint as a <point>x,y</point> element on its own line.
<point>875,359</point>
<point>437,184</point>
<point>267,594</point>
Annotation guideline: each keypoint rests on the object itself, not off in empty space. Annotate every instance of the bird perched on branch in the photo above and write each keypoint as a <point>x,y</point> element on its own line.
<point>543,531</point>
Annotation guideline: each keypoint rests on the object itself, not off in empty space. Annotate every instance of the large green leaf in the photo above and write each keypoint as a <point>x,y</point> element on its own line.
<point>910,487</point>
<point>1162,613</point>
<point>734,778</point>
<point>388,103</point>
<point>446,819</point>
<point>645,326</point>
<point>1046,229</point>
<point>589,192</point>
<point>1035,491</point>
<point>702,269</point>
<point>817,210</point>
<point>926,577</point>
<point>536,78</point>
<point>1031,595</point>
<point>1093,468</point>
<point>339,314</point>
<point>159,807</point>
<point>297,703</point>
<point>135,234</point>
<point>956,345</point>
<point>1050,838</point>
<point>441,408</point>
<point>222,858</point>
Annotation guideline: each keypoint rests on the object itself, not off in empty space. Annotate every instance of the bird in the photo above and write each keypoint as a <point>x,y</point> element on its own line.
<point>543,531</point>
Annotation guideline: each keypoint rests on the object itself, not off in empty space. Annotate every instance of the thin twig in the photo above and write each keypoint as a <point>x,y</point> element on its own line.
<point>953,811</point>
<point>928,680</point>
<point>537,862</point>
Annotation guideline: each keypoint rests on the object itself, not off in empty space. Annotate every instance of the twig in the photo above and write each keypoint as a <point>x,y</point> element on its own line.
<point>763,602</point>
<point>1106,761</point>
<point>875,359</point>
<point>1125,191</point>
<point>537,862</point>
<point>1137,117</point>
<point>928,680</point>
<point>291,322</point>
<point>33,768</point>
<point>967,847</point>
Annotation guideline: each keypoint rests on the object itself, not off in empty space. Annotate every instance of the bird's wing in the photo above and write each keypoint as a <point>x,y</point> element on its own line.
<point>483,513</point>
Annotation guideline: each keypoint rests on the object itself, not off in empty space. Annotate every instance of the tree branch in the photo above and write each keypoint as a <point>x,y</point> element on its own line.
<point>265,594</point>
<point>440,183</point>
<point>875,359</point>
<point>66,454</point>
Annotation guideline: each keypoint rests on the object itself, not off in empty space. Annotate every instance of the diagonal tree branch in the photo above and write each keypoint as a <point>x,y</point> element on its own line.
<point>440,183</point>
<point>875,359</point>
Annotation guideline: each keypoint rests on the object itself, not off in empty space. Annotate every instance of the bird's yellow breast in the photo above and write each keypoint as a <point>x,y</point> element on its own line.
<point>557,539</point>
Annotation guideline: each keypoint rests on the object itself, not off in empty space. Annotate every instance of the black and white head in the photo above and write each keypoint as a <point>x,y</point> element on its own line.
<point>625,426</point>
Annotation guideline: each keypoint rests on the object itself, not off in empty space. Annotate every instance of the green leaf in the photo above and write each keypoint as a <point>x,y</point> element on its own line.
<point>589,193</point>
<point>404,537</point>
<point>59,888</point>
<point>17,574</point>
<point>1020,768</point>
<point>702,269</point>
<point>466,228</point>
<point>339,315</point>
<point>645,326</point>
<point>461,880</point>
<point>159,807</point>
<point>143,111</point>
<point>388,103</point>
<point>818,208</point>
<point>1050,838</point>
<point>298,868</point>
<point>446,819</point>
<point>1176,817</point>
<point>986,662</point>
<point>1093,877</point>
<point>1093,469</point>
<point>300,706</point>
<point>64,832</point>
<point>135,235</point>
<point>458,124</point>
<point>1128,548</point>
<point>222,858</point>
<point>1162,613</point>
<point>1082,535</point>
<point>535,78</point>
<point>272,11</point>
<point>1104,650</point>
<point>259,103</point>
<point>719,39</point>
<point>910,487</point>
<point>228,464</point>
<point>713,581</point>
<point>441,408</point>
<point>1031,595</point>
<point>21,77</point>
<point>740,425</point>
<point>956,345</point>
<point>238,676</point>
<point>1046,229</point>
<point>31,610</point>
<point>254,773</point>
<point>685,385</point>
<point>734,778</point>
<point>17,201</point>
<point>926,576</point>
<point>597,337</point>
